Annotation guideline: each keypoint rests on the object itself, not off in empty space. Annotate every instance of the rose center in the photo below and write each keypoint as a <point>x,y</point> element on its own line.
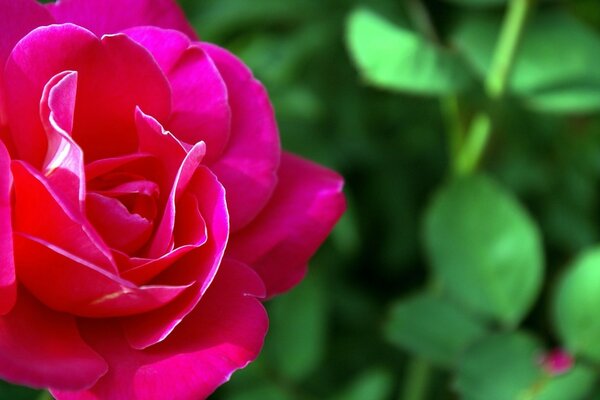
<point>123,208</point>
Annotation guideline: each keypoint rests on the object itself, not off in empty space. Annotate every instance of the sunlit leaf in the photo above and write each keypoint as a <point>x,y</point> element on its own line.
<point>395,57</point>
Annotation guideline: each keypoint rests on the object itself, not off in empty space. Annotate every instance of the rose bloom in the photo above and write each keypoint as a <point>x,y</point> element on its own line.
<point>145,205</point>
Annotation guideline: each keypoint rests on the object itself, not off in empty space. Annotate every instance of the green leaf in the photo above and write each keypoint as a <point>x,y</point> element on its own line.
<point>374,384</point>
<point>433,328</point>
<point>577,304</point>
<point>552,68</point>
<point>484,248</point>
<point>298,330</point>
<point>266,391</point>
<point>394,57</point>
<point>14,392</point>
<point>506,367</point>
<point>575,384</point>
<point>478,3</point>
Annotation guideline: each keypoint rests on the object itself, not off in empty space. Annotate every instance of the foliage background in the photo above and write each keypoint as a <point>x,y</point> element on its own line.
<point>397,303</point>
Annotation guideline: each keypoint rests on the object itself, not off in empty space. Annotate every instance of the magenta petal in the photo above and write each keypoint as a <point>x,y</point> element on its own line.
<point>67,283</point>
<point>249,164</point>
<point>75,234</point>
<point>42,348</point>
<point>163,241</point>
<point>224,333</point>
<point>153,139</point>
<point>63,166</point>
<point>306,204</point>
<point>115,75</point>
<point>200,109</point>
<point>120,229</point>
<point>8,288</point>
<point>17,18</point>
<point>200,264</point>
<point>57,49</point>
<point>112,16</point>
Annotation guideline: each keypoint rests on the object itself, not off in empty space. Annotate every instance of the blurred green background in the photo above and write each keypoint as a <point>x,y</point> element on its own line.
<point>468,132</point>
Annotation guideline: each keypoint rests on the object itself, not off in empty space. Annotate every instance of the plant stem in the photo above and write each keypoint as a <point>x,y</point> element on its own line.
<point>496,84</point>
<point>474,147</point>
<point>417,377</point>
<point>506,49</point>
<point>454,127</point>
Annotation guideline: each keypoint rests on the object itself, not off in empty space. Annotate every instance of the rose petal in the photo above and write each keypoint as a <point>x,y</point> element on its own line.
<point>42,348</point>
<point>63,165</point>
<point>304,208</point>
<point>249,164</point>
<point>67,283</point>
<point>75,234</point>
<point>201,264</point>
<point>120,229</point>
<point>163,241</point>
<point>17,18</point>
<point>200,109</point>
<point>104,119</point>
<point>224,333</point>
<point>111,16</point>
<point>153,139</point>
<point>8,286</point>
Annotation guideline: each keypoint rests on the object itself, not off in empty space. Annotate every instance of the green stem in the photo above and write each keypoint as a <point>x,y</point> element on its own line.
<point>496,84</point>
<point>454,127</point>
<point>417,378</point>
<point>474,147</point>
<point>506,49</point>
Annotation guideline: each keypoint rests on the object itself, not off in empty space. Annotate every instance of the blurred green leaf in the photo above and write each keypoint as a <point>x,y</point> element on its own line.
<point>219,18</point>
<point>394,57</point>
<point>374,384</point>
<point>478,3</point>
<point>14,392</point>
<point>506,367</point>
<point>577,304</point>
<point>574,385</point>
<point>484,248</point>
<point>298,330</point>
<point>433,328</point>
<point>552,68</point>
<point>263,392</point>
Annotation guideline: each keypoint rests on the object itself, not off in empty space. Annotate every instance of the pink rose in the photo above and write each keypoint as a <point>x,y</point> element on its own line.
<point>145,206</point>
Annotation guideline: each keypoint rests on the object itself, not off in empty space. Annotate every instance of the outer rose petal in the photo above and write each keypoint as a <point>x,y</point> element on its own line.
<point>304,208</point>
<point>112,16</point>
<point>200,110</point>
<point>8,286</point>
<point>248,165</point>
<point>42,348</point>
<point>17,18</point>
<point>224,333</point>
<point>103,125</point>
